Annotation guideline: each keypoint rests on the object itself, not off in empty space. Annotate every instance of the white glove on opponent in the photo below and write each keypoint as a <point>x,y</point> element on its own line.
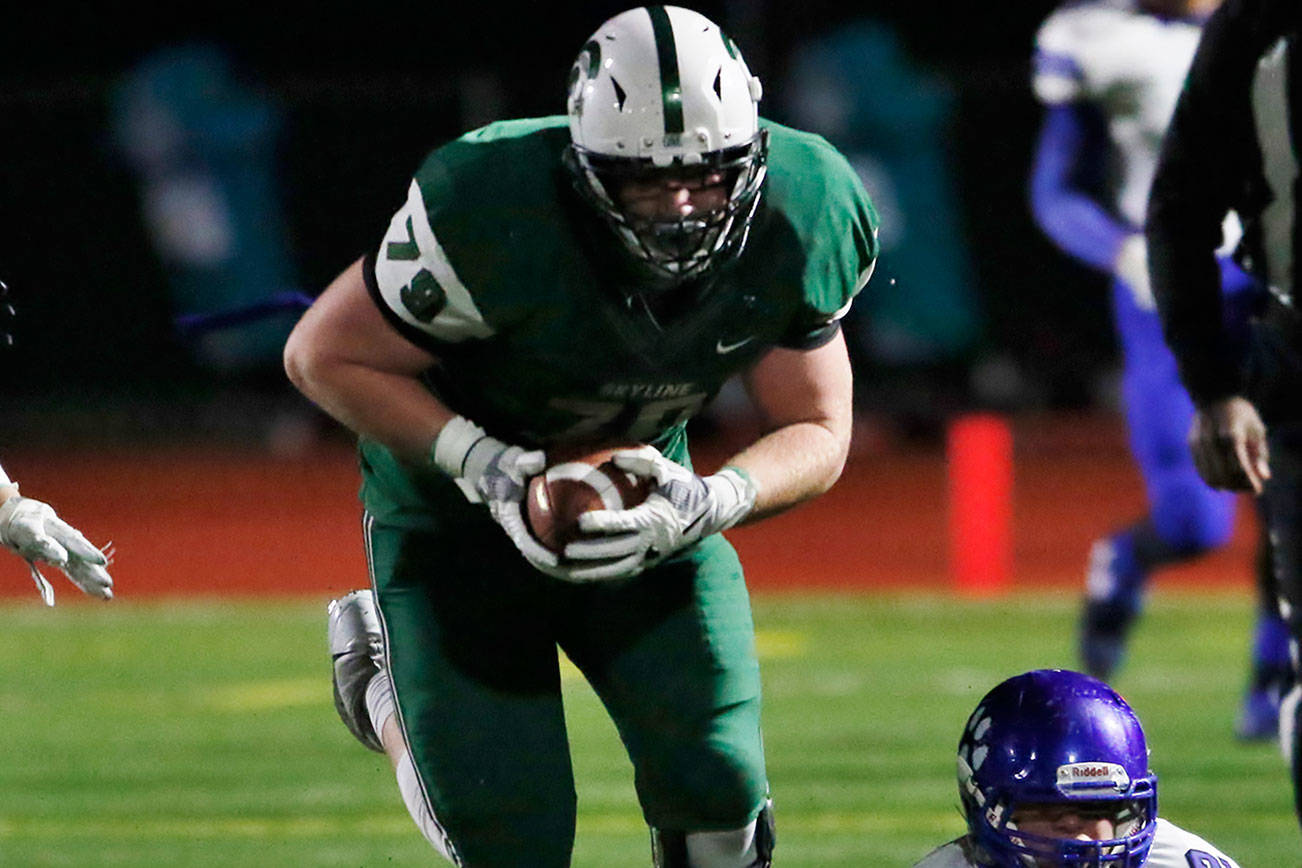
<point>1131,267</point>
<point>494,473</point>
<point>32,530</point>
<point>681,509</point>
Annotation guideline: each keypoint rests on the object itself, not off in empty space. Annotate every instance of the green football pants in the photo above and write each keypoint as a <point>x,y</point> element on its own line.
<point>471,634</point>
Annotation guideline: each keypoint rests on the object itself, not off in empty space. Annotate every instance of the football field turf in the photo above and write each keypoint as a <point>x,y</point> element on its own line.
<point>202,733</point>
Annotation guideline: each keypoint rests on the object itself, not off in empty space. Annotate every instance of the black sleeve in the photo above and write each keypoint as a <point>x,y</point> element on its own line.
<point>1208,158</point>
<point>811,338</point>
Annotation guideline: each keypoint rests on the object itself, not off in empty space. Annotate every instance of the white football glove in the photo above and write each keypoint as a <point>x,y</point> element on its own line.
<point>681,509</point>
<point>32,530</point>
<point>1131,267</point>
<point>497,474</point>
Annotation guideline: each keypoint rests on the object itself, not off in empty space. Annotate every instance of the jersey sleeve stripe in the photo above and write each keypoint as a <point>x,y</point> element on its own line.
<point>453,318</point>
<point>407,330</point>
<point>859,284</point>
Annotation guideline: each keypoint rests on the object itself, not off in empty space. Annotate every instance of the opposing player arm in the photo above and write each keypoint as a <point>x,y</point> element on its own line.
<point>1070,151</point>
<point>33,531</point>
<point>804,398</point>
<point>352,363</point>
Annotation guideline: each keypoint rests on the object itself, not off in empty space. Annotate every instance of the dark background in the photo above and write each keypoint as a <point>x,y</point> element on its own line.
<point>366,92</point>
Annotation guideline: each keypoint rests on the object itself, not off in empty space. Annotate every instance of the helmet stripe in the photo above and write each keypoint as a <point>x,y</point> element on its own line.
<point>729,45</point>
<point>671,88</point>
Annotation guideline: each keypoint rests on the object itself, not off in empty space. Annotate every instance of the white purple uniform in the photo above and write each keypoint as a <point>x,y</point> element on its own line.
<point>1129,63</point>
<point>1173,847</point>
<point>1109,73</point>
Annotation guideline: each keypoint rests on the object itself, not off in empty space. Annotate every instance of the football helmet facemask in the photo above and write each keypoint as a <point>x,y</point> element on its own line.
<point>1056,739</point>
<point>661,92</point>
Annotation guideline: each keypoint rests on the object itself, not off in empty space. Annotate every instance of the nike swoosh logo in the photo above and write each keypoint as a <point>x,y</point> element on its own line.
<point>721,348</point>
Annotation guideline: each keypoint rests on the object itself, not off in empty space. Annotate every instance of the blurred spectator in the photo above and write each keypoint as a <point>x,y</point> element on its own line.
<point>202,142</point>
<point>918,328</point>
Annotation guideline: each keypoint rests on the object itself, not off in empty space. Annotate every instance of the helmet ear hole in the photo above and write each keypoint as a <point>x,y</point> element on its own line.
<point>620,96</point>
<point>718,84</point>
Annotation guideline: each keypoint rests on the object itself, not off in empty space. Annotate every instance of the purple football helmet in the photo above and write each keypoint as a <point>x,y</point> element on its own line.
<point>1056,738</point>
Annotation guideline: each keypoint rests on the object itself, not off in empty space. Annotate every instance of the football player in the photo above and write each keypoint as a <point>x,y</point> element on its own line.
<point>1108,73</point>
<point>588,278</point>
<point>1053,771</point>
<point>33,531</point>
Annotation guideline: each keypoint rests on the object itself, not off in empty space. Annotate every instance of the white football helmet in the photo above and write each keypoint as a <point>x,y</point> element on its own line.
<point>663,89</point>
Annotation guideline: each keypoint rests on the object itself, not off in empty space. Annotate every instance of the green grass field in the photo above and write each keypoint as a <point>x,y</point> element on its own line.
<point>202,733</point>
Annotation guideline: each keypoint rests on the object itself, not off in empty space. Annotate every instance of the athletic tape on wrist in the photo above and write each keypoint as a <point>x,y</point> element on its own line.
<point>743,489</point>
<point>453,444</point>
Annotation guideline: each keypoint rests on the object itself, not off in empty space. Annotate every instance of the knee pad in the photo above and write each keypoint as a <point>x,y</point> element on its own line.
<point>750,846</point>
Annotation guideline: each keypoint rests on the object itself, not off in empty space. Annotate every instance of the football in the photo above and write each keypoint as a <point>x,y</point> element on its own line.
<point>578,479</point>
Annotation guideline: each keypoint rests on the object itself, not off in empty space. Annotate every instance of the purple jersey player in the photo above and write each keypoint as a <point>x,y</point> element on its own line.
<point>1108,73</point>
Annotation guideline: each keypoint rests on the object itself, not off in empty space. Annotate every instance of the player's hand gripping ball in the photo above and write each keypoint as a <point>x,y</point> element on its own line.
<point>579,479</point>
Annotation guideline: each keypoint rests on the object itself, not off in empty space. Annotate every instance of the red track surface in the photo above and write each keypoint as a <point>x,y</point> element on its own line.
<point>185,521</point>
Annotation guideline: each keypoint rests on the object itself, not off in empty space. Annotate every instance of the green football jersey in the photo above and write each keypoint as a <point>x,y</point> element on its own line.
<point>496,267</point>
